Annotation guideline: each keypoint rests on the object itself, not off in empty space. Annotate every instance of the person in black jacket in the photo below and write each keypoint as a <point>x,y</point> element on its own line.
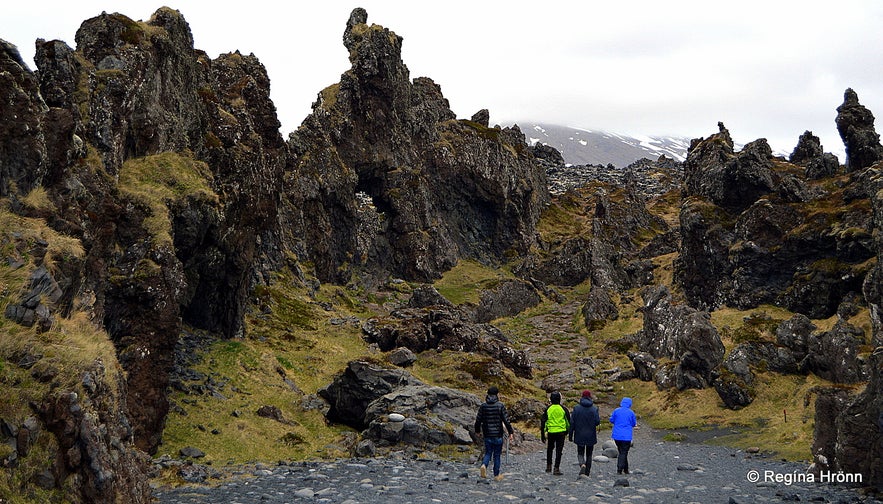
<point>585,421</point>
<point>489,422</point>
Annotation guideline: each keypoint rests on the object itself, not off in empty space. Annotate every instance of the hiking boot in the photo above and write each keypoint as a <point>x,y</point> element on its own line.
<point>548,467</point>
<point>483,471</point>
<point>499,477</point>
<point>582,470</point>
<point>557,472</point>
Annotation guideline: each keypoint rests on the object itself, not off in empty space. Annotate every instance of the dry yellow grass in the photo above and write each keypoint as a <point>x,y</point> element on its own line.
<point>781,418</point>
<point>463,283</point>
<point>38,199</point>
<point>71,346</point>
<point>161,179</point>
<point>295,338</point>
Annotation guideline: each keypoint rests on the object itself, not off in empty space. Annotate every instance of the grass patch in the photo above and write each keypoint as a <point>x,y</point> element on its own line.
<point>465,281</point>
<point>472,373</point>
<point>60,247</point>
<point>161,180</point>
<point>561,220</point>
<point>763,422</point>
<point>38,199</point>
<point>292,334</point>
<point>71,346</point>
<point>740,326</point>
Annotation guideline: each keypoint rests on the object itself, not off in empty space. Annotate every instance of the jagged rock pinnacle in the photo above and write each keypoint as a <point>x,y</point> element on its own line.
<point>357,16</point>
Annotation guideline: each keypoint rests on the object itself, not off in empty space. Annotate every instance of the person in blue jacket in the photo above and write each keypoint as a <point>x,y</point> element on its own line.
<point>583,431</point>
<point>624,421</point>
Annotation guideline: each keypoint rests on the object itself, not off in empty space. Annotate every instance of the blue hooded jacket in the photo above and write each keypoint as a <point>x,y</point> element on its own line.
<point>623,420</point>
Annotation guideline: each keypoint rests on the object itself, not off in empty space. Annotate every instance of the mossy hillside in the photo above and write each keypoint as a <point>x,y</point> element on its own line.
<point>781,417</point>
<point>780,420</point>
<point>464,282</point>
<point>472,373</point>
<point>563,219</point>
<point>59,247</point>
<point>71,346</point>
<point>291,334</point>
<point>834,214</point>
<point>161,181</point>
<point>668,207</point>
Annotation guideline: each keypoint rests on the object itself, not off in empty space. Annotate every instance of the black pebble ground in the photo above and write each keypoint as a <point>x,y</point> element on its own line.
<point>660,472</point>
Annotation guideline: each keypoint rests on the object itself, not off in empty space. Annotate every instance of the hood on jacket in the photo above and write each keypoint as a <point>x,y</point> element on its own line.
<point>586,402</point>
<point>491,398</point>
<point>626,402</point>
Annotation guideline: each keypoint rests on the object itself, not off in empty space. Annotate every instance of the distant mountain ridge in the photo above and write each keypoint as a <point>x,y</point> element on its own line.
<point>587,147</point>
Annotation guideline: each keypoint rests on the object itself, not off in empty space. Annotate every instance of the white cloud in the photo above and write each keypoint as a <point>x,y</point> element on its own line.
<point>766,69</point>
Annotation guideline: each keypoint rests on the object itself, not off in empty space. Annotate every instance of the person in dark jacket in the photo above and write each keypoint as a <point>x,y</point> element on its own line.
<point>624,421</point>
<point>555,424</point>
<point>585,420</point>
<point>489,423</point>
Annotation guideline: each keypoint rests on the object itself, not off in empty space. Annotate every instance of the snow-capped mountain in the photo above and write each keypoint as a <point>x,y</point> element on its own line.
<point>580,146</point>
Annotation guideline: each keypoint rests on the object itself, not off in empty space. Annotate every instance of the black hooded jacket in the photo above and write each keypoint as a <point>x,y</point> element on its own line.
<point>491,418</point>
<point>585,420</point>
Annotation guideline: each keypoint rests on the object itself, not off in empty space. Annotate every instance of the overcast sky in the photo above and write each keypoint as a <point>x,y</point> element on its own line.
<point>771,69</point>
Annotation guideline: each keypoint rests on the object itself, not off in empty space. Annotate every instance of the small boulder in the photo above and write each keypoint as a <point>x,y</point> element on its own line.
<point>645,365</point>
<point>366,448</point>
<point>191,452</point>
<point>271,412</point>
<point>402,357</point>
<point>193,473</point>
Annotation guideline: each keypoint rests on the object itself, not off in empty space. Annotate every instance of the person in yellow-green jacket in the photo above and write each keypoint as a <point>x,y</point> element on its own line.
<point>555,425</point>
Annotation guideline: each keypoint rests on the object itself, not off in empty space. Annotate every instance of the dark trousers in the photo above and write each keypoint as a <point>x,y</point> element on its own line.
<point>555,442</point>
<point>584,456</point>
<point>622,462</point>
<point>493,448</point>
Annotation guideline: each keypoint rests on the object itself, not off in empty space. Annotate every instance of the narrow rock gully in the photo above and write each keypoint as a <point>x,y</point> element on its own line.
<point>660,472</point>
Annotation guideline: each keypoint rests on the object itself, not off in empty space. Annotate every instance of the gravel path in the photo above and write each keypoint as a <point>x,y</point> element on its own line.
<point>661,472</point>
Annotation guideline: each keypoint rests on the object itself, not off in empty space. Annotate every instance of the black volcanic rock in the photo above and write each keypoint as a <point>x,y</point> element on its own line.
<point>139,92</point>
<point>599,308</point>
<point>426,296</point>
<point>547,155</point>
<point>482,117</point>
<point>506,299</point>
<point>809,153</point>
<point>733,181</point>
<point>855,123</point>
<point>363,395</point>
<point>440,188</point>
<point>834,355</point>
<point>150,92</point>
<point>754,231</point>
<point>852,441</point>
<point>678,332</point>
<point>444,328</point>
<point>23,149</point>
